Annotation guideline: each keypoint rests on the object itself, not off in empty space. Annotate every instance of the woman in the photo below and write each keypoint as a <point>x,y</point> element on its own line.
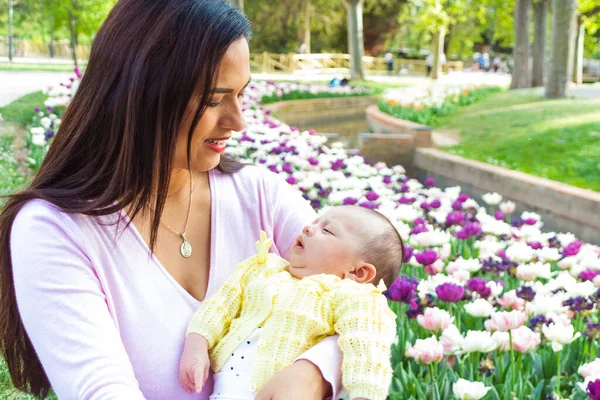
<point>135,216</point>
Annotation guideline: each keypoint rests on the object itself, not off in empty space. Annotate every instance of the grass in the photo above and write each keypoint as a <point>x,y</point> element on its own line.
<point>13,66</point>
<point>21,111</point>
<point>519,130</point>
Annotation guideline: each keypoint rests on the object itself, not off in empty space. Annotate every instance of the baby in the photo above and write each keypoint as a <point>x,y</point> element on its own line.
<point>270,311</point>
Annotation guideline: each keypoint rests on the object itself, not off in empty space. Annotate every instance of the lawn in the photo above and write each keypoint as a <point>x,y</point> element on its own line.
<point>557,139</point>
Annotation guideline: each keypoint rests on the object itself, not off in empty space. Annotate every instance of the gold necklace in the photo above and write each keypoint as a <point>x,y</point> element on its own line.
<point>186,248</point>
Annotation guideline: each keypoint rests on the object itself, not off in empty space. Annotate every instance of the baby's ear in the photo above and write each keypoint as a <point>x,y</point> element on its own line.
<point>363,272</point>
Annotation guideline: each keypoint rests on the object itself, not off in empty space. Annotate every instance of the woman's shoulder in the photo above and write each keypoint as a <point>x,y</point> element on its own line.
<point>38,211</point>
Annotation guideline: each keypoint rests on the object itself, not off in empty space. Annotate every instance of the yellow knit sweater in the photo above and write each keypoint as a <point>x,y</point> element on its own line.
<point>295,314</point>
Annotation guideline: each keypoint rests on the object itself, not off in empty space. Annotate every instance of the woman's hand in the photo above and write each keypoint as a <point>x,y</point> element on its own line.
<point>300,381</point>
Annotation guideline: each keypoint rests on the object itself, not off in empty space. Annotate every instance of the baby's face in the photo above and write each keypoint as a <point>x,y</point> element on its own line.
<point>330,245</point>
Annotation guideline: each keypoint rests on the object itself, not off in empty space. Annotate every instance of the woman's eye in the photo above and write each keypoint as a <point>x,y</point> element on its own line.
<point>214,104</point>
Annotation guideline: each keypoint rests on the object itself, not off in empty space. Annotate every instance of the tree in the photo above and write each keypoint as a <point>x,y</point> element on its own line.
<point>588,21</point>
<point>563,41</point>
<point>239,4</point>
<point>521,76</point>
<point>355,38</point>
<point>540,8</point>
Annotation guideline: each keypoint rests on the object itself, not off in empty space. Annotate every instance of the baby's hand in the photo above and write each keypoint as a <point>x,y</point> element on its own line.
<point>194,364</point>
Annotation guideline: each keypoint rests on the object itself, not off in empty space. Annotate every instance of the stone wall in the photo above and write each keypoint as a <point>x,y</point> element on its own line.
<point>563,208</point>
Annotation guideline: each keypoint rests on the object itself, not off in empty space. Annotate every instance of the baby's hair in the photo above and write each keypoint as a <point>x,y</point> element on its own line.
<point>385,251</point>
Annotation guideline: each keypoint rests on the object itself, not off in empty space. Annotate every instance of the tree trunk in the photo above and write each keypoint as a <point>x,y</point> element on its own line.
<point>51,45</point>
<point>304,31</point>
<point>239,4</point>
<point>578,59</point>
<point>563,43</point>
<point>73,37</point>
<point>10,30</point>
<point>539,43</point>
<point>355,38</point>
<point>438,48</point>
<point>520,78</point>
<point>448,39</point>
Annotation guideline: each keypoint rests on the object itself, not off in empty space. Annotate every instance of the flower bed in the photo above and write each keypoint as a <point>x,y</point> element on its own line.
<point>426,105</point>
<point>488,304</point>
<point>266,92</point>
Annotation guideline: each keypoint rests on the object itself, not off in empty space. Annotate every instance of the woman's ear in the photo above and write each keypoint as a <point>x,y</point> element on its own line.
<point>363,272</point>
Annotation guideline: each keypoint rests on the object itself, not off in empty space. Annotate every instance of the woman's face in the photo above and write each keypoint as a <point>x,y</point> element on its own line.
<point>222,116</point>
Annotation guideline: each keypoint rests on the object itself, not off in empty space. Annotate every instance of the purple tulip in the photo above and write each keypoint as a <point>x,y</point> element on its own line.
<point>588,274</point>
<point>479,285</point>
<point>369,204</point>
<point>371,196</point>
<point>315,203</point>
<point>425,206</point>
<point>418,229</point>
<point>535,245</point>
<point>573,248</point>
<point>404,188</point>
<point>530,221</point>
<point>499,215</point>
<point>406,200</point>
<point>403,290</point>
<point>462,197</point>
<point>273,168</point>
<point>287,167</point>
<point>454,218</point>
<point>37,109</point>
<point>429,182</point>
<point>337,165</point>
<point>78,72</point>
<point>526,293</point>
<point>408,253</point>
<point>387,180</point>
<point>449,292</point>
<point>291,180</point>
<point>419,221</point>
<point>435,204</point>
<point>457,206</point>
<point>350,201</point>
<point>426,257</point>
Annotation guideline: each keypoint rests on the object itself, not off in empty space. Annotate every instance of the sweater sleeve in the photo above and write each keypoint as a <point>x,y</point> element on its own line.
<point>213,318</point>
<point>367,328</point>
<point>64,311</point>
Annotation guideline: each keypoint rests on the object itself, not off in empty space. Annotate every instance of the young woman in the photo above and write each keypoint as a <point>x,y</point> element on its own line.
<point>136,216</point>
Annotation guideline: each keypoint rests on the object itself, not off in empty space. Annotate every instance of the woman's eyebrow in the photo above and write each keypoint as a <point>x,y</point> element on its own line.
<point>229,90</point>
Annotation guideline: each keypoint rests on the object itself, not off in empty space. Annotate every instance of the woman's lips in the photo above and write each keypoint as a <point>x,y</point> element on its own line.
<point>218,145</point>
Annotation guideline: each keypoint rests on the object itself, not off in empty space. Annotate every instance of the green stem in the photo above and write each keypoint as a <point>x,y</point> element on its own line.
<point>432,375</point>
<point>512,360</point>
<point>558,372</point>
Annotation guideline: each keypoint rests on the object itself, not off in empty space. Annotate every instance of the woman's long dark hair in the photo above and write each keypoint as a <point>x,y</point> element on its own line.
<point>117,137</point>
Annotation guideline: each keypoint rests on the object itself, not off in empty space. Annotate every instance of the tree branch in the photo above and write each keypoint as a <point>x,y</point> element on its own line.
<point>592,12</point>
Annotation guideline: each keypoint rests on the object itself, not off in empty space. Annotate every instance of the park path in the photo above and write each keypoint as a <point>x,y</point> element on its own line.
<point>14,84</point>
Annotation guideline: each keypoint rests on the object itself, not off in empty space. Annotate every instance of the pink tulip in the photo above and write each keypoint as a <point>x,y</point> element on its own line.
<point>504,321</point>
<point>426,350</point>
<point>434,319</point>
<point>524,339</point>
<point>590,369</point>
<point>511,301</point>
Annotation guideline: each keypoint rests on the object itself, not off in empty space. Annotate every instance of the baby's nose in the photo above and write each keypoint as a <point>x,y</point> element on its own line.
<point>307,230</point>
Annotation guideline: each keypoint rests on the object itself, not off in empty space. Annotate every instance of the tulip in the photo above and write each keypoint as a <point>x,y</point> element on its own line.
<point>451,340</point>
<point>504,321</point>
<point>426,351</point>
<point>478,341</point>
<point>435,319</point>
<point>466,390</point>
<point>479,308</point>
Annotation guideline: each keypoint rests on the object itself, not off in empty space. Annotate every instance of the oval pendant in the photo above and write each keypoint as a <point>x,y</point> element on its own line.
<point>186,249</point>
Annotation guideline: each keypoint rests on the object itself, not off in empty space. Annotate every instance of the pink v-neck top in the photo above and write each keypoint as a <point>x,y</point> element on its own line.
<point>105,317</point>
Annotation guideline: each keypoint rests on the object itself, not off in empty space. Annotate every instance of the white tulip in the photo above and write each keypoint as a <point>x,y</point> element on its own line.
<point>559,335</point>
<point>478,341</point>
<point>480,308</point>
<point>466,390</point>
<point>492,199</point>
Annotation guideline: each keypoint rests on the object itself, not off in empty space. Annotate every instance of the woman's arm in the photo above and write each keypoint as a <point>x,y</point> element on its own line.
<point>64,310</point>
<point>291,212</point>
